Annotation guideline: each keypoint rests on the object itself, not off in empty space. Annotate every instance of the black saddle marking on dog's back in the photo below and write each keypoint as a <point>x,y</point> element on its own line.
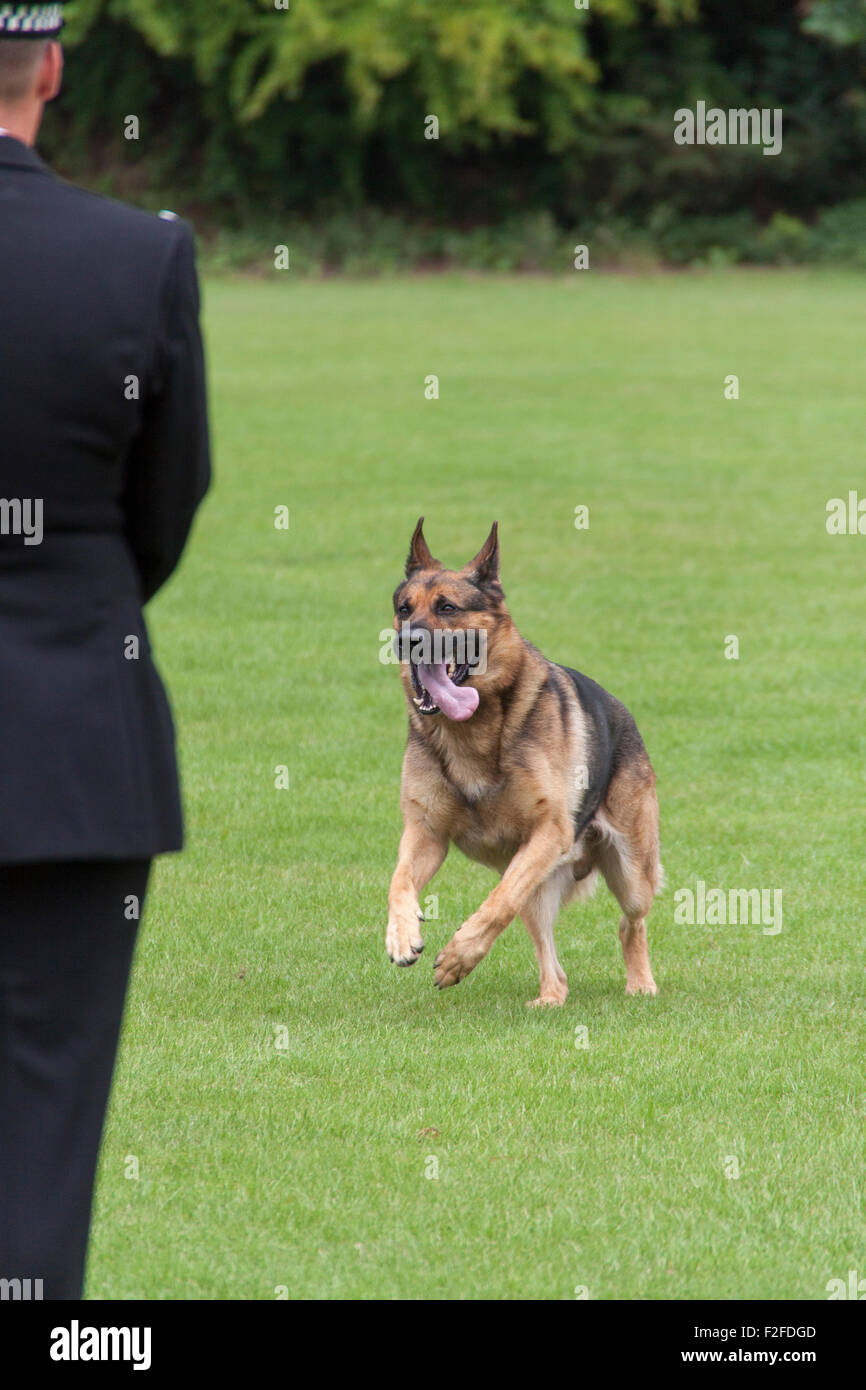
<point>613,739</point>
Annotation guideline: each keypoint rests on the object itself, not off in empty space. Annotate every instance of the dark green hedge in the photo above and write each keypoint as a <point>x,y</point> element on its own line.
<point>248,113</point>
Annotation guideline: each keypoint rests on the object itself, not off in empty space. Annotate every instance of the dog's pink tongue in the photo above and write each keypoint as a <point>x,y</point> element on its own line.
<point>456,701</point>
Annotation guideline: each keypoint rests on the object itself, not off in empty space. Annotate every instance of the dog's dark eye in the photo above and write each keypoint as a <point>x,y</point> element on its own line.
<point>404,610</point>
<point>447,608</point>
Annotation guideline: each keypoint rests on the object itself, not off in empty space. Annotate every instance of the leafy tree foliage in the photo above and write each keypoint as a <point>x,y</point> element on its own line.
<point>248,109</point>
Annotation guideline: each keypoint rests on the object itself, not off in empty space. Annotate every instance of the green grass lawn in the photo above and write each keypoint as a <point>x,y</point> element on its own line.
<point>304,1166</point>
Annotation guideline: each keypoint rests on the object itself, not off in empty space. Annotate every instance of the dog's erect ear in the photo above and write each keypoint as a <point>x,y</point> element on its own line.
<point>484,569</point>
<point>419,557</point>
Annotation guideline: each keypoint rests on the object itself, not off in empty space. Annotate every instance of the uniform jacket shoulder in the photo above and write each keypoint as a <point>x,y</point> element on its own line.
<point>132,223</point>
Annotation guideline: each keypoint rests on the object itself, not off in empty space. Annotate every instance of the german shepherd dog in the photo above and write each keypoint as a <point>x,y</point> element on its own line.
<point>529,767</point>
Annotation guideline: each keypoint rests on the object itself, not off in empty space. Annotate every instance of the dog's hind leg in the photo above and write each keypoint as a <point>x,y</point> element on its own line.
<point>629,860</point>
<point>539,916</point>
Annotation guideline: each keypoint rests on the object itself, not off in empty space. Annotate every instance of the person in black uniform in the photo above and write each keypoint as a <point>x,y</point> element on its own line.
<point>104,459</point>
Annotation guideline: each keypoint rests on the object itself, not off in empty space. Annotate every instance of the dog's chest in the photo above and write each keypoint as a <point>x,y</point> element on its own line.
<point>485,823</point>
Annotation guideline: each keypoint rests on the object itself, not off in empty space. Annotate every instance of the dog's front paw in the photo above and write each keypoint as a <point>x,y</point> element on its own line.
<point>461,955</point>
<point>403,941</point>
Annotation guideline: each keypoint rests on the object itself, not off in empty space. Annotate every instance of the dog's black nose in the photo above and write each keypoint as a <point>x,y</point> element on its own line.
<point>419,632</point>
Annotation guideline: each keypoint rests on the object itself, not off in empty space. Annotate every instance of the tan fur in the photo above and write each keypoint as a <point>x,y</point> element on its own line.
<point>504,787</point>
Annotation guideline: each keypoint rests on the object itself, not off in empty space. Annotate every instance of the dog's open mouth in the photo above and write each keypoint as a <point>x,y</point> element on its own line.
<point>439,689</point>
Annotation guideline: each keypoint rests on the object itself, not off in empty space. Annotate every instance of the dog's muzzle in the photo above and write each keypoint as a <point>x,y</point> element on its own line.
<point>436,684</point>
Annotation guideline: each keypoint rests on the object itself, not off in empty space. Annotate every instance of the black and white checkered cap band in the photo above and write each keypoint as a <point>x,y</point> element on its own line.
<point>30,21</point>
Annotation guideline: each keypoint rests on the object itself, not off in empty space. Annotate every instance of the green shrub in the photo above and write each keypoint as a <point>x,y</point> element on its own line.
<point>840,234</point>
